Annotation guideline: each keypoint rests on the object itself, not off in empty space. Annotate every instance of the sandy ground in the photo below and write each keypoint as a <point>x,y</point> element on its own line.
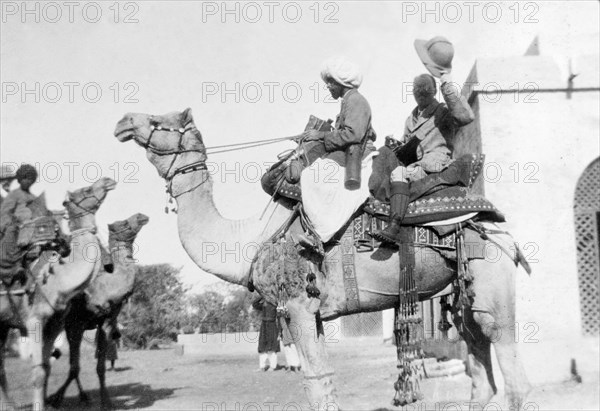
<point>220,374</point>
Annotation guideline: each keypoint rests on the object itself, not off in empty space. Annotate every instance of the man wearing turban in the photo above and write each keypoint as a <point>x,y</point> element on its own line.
<point>326,201</point>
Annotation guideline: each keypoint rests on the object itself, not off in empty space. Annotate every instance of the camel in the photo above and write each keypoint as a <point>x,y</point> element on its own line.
<point>64,280</point>
<point>175,147</point>
<point>99,306</point>
<point>14,292</point>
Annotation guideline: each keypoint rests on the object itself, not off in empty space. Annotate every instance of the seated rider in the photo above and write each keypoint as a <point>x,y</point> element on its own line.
<point>326,200</point>
<point>14,212</point>
<point>431,124</point>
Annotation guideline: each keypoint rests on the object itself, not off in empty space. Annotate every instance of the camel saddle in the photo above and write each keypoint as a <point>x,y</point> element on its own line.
<point>31,236</point>
<point>37,231</point>
<point>429,202</point>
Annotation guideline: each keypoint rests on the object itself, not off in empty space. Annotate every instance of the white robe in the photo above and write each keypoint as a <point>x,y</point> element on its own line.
<point>327,203</point>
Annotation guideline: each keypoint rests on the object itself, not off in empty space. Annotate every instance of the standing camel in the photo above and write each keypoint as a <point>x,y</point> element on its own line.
<point>175,147</point>
<point>54,291</point>
<point>99,306</point>
<point>14,292</point>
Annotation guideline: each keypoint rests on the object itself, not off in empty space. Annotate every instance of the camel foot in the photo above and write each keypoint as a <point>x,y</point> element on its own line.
<point>517,398</point>
<point>84,398</point>
<point>106,404</point>
<point>55,400</point>
<point>321,394</point>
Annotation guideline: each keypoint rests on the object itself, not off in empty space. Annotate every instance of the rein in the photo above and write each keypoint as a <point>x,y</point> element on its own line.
<point>251,144</point>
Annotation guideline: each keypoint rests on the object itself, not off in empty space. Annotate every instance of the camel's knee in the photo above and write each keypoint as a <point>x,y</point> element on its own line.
<point>489,327</point>
<point>74,371</point>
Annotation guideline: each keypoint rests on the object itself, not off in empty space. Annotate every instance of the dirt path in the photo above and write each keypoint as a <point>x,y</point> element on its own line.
<point>223,377</point>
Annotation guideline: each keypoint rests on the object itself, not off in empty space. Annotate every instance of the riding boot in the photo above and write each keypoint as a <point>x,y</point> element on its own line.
<point>399,200</point>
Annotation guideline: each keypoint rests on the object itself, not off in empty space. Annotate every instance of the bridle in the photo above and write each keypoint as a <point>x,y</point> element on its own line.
<point>189,168</point>
<point>92,209</point>
<point>116,240</point>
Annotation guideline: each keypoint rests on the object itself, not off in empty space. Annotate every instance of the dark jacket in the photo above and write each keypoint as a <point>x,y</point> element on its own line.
<point>351,126</point>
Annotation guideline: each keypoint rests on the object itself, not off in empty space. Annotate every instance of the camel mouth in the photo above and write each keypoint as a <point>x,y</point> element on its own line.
<point>143,219</point>
<point>124,135</point>
<point>110,184</point>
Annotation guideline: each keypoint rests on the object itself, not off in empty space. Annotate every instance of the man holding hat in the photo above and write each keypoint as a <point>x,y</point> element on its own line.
<point>431,124</point>
<point>327,201</point>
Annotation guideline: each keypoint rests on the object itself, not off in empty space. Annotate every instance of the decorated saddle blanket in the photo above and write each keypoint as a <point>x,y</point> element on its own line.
<point>22,241</point>
<point>444,204</point>
<point>37,230</point>
<point>438,203</point>
<point>443,241</point>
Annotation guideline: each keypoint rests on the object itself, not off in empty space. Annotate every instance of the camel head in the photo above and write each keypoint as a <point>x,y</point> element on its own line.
<point>173,143</point>
<point>125,231</point>
<point>108,291</point>
<point>87,200</point>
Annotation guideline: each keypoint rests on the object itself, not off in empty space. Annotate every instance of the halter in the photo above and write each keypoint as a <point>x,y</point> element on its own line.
<point>189,168</point>
<point>90,210</point>
<point>117,243</point>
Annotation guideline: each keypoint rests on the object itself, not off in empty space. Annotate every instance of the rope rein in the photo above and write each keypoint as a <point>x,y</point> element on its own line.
<point>250,144</point>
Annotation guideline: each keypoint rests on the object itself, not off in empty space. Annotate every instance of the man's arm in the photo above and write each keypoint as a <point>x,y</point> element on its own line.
<point>9,205</point>
<point>356,116</point>
<point>460,112</point>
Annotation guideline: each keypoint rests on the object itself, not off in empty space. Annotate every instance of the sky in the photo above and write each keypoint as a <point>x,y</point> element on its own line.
<point>248,70</point>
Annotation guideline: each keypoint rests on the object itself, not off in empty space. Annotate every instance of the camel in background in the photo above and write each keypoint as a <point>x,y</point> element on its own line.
<point>98,307</point>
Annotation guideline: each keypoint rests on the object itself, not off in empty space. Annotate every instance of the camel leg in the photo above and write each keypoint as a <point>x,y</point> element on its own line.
<point>74,337</point>
<point>479,359</point>
<point>105,402</point>
<point>41,363</point>
<point>83,397</point>
<point>4,396</point>
<point>494,311</point>
<point>309,339</point>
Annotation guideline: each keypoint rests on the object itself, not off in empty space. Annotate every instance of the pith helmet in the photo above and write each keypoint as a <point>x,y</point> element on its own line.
<point>436,54</point>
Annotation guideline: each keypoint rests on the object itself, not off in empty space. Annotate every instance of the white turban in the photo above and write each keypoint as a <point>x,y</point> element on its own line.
<point>343,71</point>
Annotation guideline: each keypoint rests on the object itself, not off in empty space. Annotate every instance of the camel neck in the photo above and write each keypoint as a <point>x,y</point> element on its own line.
<point>220,246</point>
<point>121,252</point>
<point>71,276</point>
<point>87,221</point>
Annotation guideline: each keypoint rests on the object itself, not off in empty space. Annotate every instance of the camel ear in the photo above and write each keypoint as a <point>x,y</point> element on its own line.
<point>186,115</point>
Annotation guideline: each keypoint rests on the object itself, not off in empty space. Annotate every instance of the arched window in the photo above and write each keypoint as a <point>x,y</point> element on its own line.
<point>587,238</point>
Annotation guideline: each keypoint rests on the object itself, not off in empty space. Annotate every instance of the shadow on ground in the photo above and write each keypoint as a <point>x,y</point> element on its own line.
<point>123,397</point>
<point>120,369</point>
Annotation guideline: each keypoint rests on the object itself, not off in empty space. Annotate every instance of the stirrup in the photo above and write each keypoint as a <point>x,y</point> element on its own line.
<point>383,238</point>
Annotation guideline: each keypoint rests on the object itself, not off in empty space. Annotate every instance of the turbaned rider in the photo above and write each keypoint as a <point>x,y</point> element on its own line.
<point>326,200</point>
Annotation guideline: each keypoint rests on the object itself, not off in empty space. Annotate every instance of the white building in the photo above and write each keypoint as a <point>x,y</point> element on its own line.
<point>538,123</point>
